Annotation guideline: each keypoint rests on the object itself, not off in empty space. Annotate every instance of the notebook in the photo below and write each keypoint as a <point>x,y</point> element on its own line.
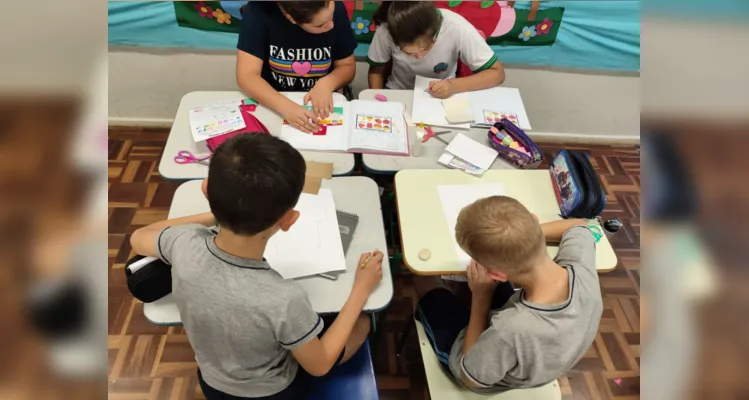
<point>360,126</point>
<point>346,225</point>
<point>454,198</point>
<point>313,245</point>
<point>429,110</point>
<point>468,155</point>
<point>215,119</point>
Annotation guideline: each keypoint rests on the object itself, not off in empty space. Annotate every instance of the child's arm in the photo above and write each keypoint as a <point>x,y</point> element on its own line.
<point>376,76</point>
<point>318,356</point>
<point>482,290</point>
<point>144,240</point>
<point>554,230</point>
<point>379,59</point>
<point>479,57</point>
<point>321,95</point>
<point>488,78</point>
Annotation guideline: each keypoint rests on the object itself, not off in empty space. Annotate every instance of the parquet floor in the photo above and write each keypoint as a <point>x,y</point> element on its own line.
<point>150,362</point>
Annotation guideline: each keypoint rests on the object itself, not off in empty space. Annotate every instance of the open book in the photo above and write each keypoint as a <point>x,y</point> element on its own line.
<point>359,126</point>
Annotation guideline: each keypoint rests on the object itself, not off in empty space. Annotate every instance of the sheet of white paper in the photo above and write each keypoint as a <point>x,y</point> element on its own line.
<point>472,151</point>
<point>428,109</point>
<point>313,244</point>
<point>215,119</point>
<point>334,138</point>
<point>454,198</point>
<point>499,100</point>
<point>378,127</point>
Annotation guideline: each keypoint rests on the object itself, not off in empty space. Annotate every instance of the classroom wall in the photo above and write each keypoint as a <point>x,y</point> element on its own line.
<point>145,87</point>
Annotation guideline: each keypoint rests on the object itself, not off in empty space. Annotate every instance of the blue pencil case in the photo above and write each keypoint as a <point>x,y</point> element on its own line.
<point>579,191</point>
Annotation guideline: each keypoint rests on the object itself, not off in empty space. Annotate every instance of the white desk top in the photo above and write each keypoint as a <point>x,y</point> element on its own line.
<point>430,151</point>
<point>422,221</point>
<point>358,195</point>
<point>181,139</point>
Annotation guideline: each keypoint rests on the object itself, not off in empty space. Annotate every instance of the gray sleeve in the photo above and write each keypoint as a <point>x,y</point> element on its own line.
<point>577,249</point>
<point>488,360</point>
<point>297,322</point>
<point>171,238</point>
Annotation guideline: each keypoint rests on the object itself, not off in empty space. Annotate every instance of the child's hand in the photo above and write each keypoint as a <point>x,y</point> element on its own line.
<point>368,273</point>
<point>478,281</point>
<point>441,89</point>
<point>300,118</point>
<point>322,100</point>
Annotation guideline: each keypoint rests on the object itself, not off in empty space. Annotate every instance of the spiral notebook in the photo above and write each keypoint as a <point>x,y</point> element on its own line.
<point>346,224</point>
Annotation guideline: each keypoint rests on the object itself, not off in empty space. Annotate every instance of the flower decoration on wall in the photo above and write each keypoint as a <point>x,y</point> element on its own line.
<point>544,27</point>
<point>527,33</point>
<point>360,26</point>
<point>222,17</point>
<point>204,10</point>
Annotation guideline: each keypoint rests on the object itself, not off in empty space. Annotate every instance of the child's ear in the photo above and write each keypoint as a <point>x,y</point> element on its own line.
<point>496,275</point>
<point>288,220</point>
<point>204,187</point>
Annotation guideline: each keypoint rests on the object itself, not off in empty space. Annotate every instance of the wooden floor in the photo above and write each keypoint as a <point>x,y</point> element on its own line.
<point>151,362</point>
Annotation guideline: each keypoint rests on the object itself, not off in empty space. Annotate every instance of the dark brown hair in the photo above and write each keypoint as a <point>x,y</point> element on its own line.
<point>408,20</point>
<point>302,12</point>
<point>253,180</point>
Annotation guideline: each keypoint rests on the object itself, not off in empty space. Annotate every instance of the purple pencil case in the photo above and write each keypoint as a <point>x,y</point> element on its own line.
<point>527,156</point>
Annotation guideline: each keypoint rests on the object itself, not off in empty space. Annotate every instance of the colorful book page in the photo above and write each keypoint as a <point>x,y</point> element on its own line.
<point>492,116</point>
<point>374,123</point>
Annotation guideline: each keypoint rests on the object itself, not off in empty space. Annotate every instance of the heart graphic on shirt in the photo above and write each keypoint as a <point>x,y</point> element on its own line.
<point>301,69</point>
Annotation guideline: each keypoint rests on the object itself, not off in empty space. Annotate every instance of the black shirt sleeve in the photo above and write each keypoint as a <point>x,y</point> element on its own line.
<point>345,42</point>
<point>253,38</point>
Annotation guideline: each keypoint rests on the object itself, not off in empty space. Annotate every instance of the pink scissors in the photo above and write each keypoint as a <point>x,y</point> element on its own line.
<point>186,157</point>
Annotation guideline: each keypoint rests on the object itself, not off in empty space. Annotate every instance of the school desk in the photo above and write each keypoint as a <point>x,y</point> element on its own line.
<point>358,195</point>
<point>430,151</point>
<point>180,139</point>
<point>423,225</point>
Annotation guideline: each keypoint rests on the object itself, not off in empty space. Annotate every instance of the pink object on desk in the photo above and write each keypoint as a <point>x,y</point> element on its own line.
<point>381,97</point>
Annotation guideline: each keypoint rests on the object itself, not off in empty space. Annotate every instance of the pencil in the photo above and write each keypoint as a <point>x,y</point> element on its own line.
<point>362,265</point>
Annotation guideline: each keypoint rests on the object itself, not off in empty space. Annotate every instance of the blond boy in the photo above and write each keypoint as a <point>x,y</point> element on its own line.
<point>515,339</point>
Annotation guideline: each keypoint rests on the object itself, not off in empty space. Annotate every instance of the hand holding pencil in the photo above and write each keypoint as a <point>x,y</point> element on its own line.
<point>368,271</point>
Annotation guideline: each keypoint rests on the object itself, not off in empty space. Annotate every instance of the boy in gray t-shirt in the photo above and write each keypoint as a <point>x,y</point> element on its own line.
<point>508,339</point>
<point>250,329</point>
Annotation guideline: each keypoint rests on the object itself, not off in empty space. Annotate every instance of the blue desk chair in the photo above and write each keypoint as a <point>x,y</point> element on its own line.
<point>353,380</point>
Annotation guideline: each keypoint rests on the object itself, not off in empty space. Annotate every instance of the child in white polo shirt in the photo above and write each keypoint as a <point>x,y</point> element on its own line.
<point>416,38</point>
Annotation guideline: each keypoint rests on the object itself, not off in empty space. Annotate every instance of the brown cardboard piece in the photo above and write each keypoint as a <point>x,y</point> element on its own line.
<point>316,172</point>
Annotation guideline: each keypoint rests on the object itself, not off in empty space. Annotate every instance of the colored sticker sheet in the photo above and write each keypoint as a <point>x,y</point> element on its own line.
<point>491,117</point>
<point>374,123</point>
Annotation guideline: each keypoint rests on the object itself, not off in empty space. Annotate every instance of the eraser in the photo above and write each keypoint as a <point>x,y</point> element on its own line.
<point>494,130</point>
<point>381,97</point>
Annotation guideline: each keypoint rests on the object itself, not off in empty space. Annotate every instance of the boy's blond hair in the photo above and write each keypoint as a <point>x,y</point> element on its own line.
<point>500,234</point>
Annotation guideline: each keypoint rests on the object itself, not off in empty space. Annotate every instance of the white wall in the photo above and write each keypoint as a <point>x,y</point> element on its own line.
<point>145,87</point>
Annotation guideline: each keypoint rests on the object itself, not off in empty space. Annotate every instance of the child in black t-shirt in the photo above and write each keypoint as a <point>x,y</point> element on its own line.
<point>295,46</point>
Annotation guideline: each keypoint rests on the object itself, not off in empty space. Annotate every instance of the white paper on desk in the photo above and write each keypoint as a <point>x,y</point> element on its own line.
<point>454,198</point>
<point>215,119</point>
<point>428,109</point>
<point>500,100</point>
<point>313,244</point>
<point>472,151</point>
<point>335,136</point>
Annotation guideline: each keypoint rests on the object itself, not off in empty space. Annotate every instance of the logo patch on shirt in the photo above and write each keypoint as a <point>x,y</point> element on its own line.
<point>440,68</point>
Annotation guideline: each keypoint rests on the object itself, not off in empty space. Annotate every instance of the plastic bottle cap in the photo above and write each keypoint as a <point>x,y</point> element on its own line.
<point>425,254</point>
